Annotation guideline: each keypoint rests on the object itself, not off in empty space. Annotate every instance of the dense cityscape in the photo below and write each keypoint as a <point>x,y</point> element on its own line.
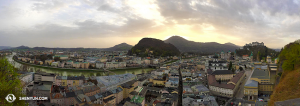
<point>149,53</point>
<point>188,79</point>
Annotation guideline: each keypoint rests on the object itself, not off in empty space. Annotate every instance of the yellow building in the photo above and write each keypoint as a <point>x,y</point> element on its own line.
<point>109,98</point>
<point>159,82</point>
<point>128,87</point>
<point>262,76</point>
<point>223,75</point>
<point>251,90</point>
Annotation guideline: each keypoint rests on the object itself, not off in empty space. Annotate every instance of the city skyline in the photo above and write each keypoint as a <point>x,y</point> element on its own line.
<point>103,24</point>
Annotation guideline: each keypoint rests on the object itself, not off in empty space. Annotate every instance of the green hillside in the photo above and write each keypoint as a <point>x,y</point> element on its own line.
<point>289,85</point>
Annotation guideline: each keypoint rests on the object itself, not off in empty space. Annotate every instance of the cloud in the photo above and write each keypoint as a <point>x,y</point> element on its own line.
<point>236,21</point>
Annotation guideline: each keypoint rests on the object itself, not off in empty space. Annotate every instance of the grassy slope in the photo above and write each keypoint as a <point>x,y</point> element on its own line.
<point>289,85</point>
<point>288,88</point>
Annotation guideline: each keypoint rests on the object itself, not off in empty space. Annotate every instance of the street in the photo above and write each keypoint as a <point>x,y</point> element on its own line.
<point>240,92</point>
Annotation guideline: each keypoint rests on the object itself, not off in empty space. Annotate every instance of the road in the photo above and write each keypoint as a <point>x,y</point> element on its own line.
<point>180,87</point>
<point>240,92</point>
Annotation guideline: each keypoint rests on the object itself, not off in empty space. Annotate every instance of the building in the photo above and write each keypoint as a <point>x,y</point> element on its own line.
<point>251,90</point>
<point>200,90</point>
<point>226,90</point>
<point>74,80</point>
<point>269,60</point>
<point>223,75</point>
<point>44,77</point>
<point>254,44</point>
<point>215,64</point>
<point>226,55</point>
<point>76,65</point>
<point>262,76</point>
<point>42,89</point>
<point>48,62</point>
<point>118,93</point>
<point>99,64</point>
<point>108,98</point>
<point>85,65</point>
<point>128,87</point>
<point>61,57</point>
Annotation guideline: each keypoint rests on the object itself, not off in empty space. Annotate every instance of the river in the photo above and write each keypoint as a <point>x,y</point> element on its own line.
<point>76,72</point>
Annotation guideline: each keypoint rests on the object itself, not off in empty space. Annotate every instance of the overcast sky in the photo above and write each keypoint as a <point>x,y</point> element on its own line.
<point>105,23</point>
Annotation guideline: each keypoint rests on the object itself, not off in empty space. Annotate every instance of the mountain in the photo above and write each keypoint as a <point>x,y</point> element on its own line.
<point>5,47</point>
<point>120,47</point>
<point>230,44</point>
<point>158,48</point>
<point>22,47</point>
<point>288,72</point>
<point>190,46</point>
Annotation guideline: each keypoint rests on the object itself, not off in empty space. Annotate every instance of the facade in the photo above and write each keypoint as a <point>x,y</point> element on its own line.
<point>76,65</point>
<point>262,76</point>
<point>99,65</point>
<point>128,87</point>
<point>269,60</point>
<point>118,93</point>
<point>255,44</point>
<point>226,90</point>
<point>44,77</point>
<point>251,90</point>
<point>223,75</point>
<point>85,65</point>
<point>215,64</point>
<point>225,56</point>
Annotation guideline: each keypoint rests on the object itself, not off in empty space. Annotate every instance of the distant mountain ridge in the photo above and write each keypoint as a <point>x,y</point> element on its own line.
<point>5,47</point>
<point>190,46</point>
<point>119,47</point>
<point>158,48</point>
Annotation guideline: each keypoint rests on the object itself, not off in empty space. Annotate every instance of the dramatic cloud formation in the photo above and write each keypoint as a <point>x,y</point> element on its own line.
<point>104,23</point>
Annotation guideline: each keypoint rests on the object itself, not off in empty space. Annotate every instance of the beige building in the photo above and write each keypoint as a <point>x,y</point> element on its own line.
<point>226,90</point>
<point>262,76</point>
<point>223,75</point>
<point>251,90</point>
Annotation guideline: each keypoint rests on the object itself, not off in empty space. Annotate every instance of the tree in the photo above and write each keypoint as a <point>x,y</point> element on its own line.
<point>143,71</point>
<point>241,68</point>
<point>56,59</point>
<point>230,66</point>
<point>257,57</point>
<point>10,84</point>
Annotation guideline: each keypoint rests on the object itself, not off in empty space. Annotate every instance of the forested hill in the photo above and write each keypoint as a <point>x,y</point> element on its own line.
<point>262,50</point>
<point>120,47</point>
<point>289,74</point>
<point>158,48</point>
<point>199,47</point>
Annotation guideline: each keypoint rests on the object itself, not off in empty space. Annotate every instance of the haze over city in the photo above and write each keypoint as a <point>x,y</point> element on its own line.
<point>105,23</point>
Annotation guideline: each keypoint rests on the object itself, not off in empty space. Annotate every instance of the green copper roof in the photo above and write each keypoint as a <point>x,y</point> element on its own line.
<point>137,99</point>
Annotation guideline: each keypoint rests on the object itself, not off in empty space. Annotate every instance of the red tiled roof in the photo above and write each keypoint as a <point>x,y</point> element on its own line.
<point>237,77</point>
<point>156,101</point>
<point>212,82</point>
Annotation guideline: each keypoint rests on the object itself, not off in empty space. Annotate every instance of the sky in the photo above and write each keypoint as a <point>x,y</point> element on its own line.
<point>105,23</point>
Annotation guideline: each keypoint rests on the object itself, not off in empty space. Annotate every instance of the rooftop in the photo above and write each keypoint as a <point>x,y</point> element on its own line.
<point>221,72</point>
<point>251,83</point>
<point>260,74</point>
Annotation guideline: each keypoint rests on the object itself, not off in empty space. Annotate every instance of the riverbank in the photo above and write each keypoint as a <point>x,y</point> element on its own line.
<point>65,69</point>
<point>72,69</point>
